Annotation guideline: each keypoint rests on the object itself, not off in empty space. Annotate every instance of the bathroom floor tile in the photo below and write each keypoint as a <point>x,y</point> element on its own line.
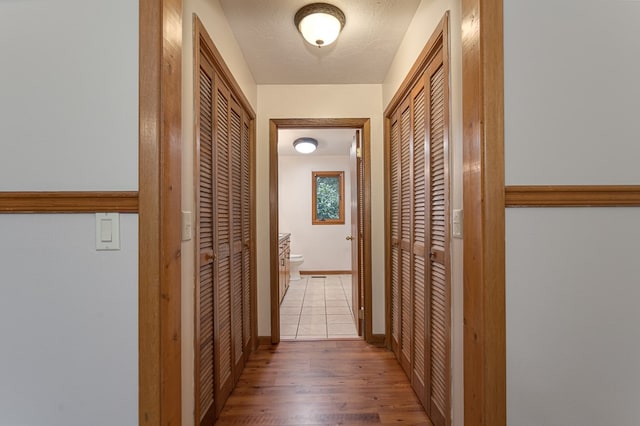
<point>339,319</point>
<point>317,308</point>
<point>332,310</point>
<point>312,330</point>
<point>313,319</point>
<point>291,305</point>
<point>313,310</point>
<point>290,310</point>
<point>288,329</point>
<point>337,303</point>
<point>289,319</point>
<point>316,303</point>
<point>341,329</point>
<point>287,337</point>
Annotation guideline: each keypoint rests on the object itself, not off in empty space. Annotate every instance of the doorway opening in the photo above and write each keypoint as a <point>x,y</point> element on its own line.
<point>331,294</point>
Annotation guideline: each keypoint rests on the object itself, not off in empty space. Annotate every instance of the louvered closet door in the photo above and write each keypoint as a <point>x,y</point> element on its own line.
<point>224,359</point>
<point>406,325</point>
<point>419,211</point>
<point>419,373</point>
<point>204,365</point>
<point>395,192</point>
<point>439,268</point>
<point>245,153</point>
<point>235,191</point>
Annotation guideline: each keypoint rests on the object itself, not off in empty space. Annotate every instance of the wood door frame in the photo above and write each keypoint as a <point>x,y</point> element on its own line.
<point>291,123</point>
<point>159,244</point>
<point>159,206</point>
<point>484,206</point>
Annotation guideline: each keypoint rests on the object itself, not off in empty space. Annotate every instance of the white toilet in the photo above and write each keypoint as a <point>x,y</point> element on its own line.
<point>295,260</point>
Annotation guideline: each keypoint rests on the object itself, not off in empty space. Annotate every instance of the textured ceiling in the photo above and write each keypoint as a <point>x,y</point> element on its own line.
<point>330,141</point>
<point>277,54</point>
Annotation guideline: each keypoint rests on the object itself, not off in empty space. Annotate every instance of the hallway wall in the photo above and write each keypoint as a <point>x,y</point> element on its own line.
<point>68,122</point>
<point>324,247</point>
<point>320,101</point>
<point>571,104</point>
<point>214,20</point>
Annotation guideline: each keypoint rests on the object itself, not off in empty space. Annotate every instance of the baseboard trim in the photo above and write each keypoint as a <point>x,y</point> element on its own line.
<point>377,340</point>
<point>264,340</point>
<point>325,272</point>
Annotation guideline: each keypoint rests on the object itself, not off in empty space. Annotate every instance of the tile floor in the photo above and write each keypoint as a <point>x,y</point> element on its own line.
<point>317,308</point>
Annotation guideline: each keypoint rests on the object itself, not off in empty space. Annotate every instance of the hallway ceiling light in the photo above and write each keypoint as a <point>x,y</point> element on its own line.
<point>305,145</point>
<point>319,23</point>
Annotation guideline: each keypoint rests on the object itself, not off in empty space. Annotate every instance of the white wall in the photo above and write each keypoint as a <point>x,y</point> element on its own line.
<point>319,101</point>
<point>571,92</point>
<point>324,247</point>
<point>212,16</point>
<point>68,321</point>
<point>571,101</point>
<point>428,15</point>
<point>69,104</point>
<point>68,121</point>
<point>573,340</point>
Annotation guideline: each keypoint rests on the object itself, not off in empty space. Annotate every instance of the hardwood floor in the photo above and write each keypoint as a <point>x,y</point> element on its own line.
<point>338,382</point>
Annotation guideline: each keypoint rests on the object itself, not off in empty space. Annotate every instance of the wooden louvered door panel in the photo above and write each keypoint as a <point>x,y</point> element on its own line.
<point>419,232</point>
<point>245,193</point>
<point>439,264</point>
<point>225,281</point>
<point>406,314</point>
<point>235,192</point>
<point>223,309</point>
<point>204,357</point>
<point>419,376</point>
<point>394,200</point>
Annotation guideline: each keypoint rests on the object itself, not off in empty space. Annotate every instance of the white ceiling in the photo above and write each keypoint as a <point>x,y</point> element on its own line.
<point>330,141</point>
<point>277,54</point>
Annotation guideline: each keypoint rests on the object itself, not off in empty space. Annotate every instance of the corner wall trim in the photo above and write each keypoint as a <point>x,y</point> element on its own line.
<point>573,196</point>
<point>69,202</point>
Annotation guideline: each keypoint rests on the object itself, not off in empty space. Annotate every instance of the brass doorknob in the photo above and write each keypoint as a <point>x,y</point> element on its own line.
<point>349,238</point>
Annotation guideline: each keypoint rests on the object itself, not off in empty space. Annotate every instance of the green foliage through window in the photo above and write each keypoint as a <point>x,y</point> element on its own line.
<point>328,193</point>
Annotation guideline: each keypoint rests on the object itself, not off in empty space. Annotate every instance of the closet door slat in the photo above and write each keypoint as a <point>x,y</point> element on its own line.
<point>395,183</point>
<point>418,376</point>
<point>439,249</point>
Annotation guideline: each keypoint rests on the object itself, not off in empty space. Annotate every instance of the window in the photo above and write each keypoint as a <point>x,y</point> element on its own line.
<point>327,198</point>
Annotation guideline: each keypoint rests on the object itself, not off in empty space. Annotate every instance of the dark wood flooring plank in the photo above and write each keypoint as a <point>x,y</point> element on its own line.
<point>323,383</point>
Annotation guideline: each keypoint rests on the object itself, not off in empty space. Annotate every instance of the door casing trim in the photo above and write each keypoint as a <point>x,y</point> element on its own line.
<point>288,123</point>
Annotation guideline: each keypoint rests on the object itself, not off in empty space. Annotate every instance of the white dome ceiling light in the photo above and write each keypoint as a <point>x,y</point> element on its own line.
<point>305,145</point>
<point>319,23</point>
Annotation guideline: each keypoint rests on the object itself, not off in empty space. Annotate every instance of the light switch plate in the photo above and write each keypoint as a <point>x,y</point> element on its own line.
<point>187,225</point>
<point>457,223</point>
<point>107,231</point>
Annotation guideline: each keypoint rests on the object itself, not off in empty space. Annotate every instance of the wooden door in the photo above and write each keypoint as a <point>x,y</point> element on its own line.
<point>204,306</point>
<point>355,233</point>
<point>419,264</point>
<point>237,242</point>
<point>247,270</point>
<point>223,312</point>
<point>406,285</point>
<point>395,177</point>
<point>225,282</point>
<point>419,372</point>
<point>439,275</point>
